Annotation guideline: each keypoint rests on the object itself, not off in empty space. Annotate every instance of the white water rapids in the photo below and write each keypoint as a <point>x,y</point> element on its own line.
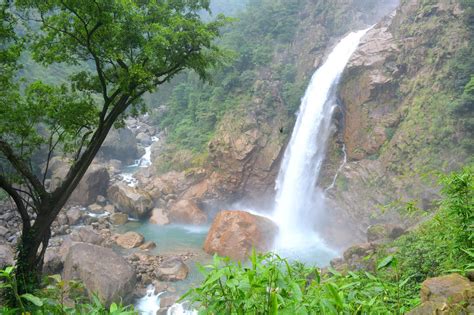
<point>298,199</point>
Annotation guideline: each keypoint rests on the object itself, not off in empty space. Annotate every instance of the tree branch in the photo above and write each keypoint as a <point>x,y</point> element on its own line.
<point>25,218</point>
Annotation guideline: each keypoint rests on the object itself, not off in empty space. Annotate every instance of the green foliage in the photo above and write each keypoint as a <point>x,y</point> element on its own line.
<point>55,297</point>
<point>272,285</point>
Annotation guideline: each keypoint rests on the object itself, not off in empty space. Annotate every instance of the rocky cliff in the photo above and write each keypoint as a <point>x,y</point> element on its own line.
<point>397,95</point>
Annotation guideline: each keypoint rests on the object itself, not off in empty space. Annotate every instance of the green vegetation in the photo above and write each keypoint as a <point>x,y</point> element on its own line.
<point>272,285</point>
<point>56,297</point>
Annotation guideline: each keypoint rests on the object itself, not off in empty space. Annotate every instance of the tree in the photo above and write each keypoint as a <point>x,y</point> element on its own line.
<point>124,49</point>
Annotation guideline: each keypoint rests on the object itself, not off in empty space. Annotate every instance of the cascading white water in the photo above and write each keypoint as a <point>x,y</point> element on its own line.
<point>298,198</point>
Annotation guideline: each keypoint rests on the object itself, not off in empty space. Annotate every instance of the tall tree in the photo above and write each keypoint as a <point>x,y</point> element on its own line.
<point>124,49</point>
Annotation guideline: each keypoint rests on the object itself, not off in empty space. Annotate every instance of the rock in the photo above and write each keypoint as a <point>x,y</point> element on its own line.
<point>159,217</point>
<point>100,200</point>
<point>94,182</point>
<point>451,289</point>
<point>95,208</point>
<point>109,208</point>
<point>144,138</point>
<point>172,269</point>
<point>86,234</point>
<point>6,256</point>
<point>120,144</point>
<point>118,218</point>
<point>130,200</point>
<point>234,233</point>
<point>74,215</point>
<point>187,212</point>
<point>168,300</point>
<point>384,232</point>
<point>53,261</point>
<point>3,231</point>
<point>356,257</point>
<point>101,271</point>
<point>148,245</point>
<point>130,240</point>
<point>451,294</point>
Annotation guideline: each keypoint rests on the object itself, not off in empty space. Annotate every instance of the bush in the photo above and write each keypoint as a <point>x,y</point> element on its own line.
<point>55,297</point>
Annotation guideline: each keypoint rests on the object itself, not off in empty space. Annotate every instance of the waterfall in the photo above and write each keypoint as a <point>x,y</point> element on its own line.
<point>297,198</point>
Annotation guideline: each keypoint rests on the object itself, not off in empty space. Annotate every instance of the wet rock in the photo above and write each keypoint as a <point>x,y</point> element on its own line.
<point>74,215</point>
<point>159,217</point>
<point>109,208</point>
<point>234,233</point>
<point>118,218</point>
<point>187,212</point>
<point>130,200</point>
<point>6,256</point>
<point>95,208</point>
<point>100,200</point>
<point>101,271</point>
<point>148,245</point>
<point>130,240</point>
<point>172,269</point>
<point>144,138</point>
<point>86,234</point>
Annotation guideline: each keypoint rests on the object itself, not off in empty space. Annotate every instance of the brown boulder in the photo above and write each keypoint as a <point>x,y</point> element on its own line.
<point>101,271</point>
<point>234,233</point>
<point>118,218</point>
<point>130,200</point>
<point>86,234</point>
<point>74,215</point>
<point>130,240</point>
<point>159,217</point>
<point>172,269</point>
<point>187,212</point>
<point>451,289</point>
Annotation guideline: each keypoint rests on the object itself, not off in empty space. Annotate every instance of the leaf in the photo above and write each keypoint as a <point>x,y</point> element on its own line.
<point>33,299</point>
<point>385,262</point>
<point>334,271</point>
<point>113,307</point>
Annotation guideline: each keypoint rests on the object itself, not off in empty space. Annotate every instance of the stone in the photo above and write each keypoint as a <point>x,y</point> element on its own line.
<point>100,200</point>
<point>94,182</point>
<point>120,144</point>
<point>148,245</point>
<point>450,289</point>
<point>74,215</point>
<point>109,208</point>
<point>356,257</point>
<point>130,200</point>
<point>168,300</point>
<point>86,234</point>
<point>7,256</point>
<point>159,217</point>
<point>144,138</point>
<point>102,271</point>
<point>172,269</point>
<point>384,232</point>
<point>235,233</point>
<point>53,261</point>
<point>95,208</point>
<point>3,231</point>
<point>118,218</point>
<point>186,212</point>
<point>130,240</point>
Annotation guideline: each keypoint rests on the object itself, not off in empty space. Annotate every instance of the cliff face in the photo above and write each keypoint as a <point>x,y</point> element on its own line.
<point>250,139</point>
<point>396,94</point>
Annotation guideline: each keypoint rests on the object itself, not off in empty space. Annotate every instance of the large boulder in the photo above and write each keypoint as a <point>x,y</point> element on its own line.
<point>450,294</point>
<point>130,240</point>
<point>120,144</point>
<point>86,234</point>
<point>6,256</point>
<point>74,215</point>
<point>187,212</point>
<point>101,271</point>
<point>130,200</point>
<point>94,182</point>
<point>118,218</point>
<point>159,217</point>
<point>381,233</point>
<point>234,233</point>
<point>172,269</point>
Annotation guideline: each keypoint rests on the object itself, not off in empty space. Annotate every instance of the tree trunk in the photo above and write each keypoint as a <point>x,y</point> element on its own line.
<point>31,249</point>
